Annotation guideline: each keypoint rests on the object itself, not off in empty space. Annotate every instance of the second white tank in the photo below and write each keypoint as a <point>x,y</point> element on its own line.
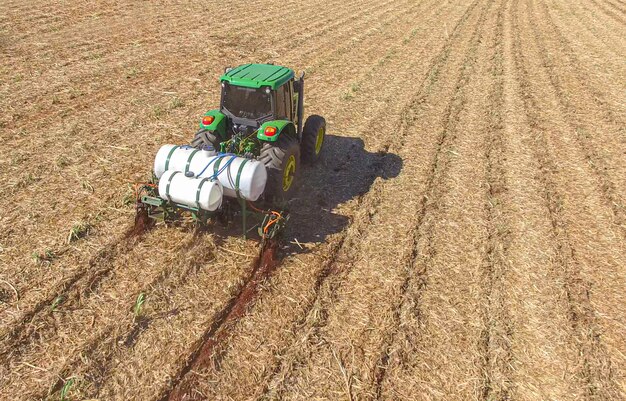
<point>200,193</point>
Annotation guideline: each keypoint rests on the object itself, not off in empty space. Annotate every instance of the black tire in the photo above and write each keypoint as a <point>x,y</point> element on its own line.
<point>314,127</point>
<point>277,157</point>
<point>205,138</point>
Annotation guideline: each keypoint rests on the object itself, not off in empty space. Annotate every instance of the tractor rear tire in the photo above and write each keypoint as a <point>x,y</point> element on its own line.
<point>313,136</point>
<point>204,138</point>
<point>282,162</point>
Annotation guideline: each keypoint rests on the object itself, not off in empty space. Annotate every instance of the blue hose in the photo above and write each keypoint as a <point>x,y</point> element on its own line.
<point>222,169</point>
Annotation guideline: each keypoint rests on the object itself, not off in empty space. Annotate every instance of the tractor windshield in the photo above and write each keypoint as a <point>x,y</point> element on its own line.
<point>249,103</point>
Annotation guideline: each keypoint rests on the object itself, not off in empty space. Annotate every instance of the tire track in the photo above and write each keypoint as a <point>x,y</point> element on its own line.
<point>580,312</point>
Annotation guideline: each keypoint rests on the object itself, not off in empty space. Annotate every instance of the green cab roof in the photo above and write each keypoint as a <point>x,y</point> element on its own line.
<point>258,75</point>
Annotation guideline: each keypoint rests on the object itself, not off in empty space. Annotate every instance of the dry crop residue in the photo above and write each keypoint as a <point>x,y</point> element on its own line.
<point>464,236</point>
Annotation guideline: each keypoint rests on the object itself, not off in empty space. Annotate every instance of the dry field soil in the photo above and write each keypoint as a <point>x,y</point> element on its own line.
<point>462,238</point>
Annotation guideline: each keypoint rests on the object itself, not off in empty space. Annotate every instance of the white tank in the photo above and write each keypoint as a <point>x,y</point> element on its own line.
<point>201,193</point>
<point>202,164</point>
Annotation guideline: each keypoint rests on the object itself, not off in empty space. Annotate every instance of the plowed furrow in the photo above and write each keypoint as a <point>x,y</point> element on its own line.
<point>183,384</point>
<point>595,24</point>
<point>616,6</point>
<point>70,259</point>
<point>82,319</point>
<point>540,346</point>
<point>601,52</point>
<point>215,287</point>
<point>184,285</point>
<point>581,121</point>
<point>462,236</point>
<point>611,114</point>
<point>498,330</point>
<point>595,366</point>
<point>390,16</point>
<point>20,331</point>
<point>395,371</point>
<point>605,9</point>
<point>101,348</point>
<point>608,25</point>
<point>344,22</point>
<point>104,89</point>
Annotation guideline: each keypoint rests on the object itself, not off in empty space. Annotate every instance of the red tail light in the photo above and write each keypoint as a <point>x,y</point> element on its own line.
<point>270,131</point>
<point>207,120</point>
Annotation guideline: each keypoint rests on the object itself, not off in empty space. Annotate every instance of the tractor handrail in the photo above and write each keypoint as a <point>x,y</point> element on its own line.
<point>300,104</point>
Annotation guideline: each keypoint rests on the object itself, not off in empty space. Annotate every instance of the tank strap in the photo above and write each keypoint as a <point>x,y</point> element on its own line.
<point>239,177</point>
<point>198,191</point>
<point>216,166</point>
<point>189,160</point>
<point>169,156</point>
<point>167,187</point>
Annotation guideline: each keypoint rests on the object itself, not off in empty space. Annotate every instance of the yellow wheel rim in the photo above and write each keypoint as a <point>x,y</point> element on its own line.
<point>319,141</point>
<point>289,172</point>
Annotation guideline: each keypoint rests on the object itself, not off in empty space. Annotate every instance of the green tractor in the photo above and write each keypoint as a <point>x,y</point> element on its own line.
<point>248,150</point>
<point>261,116</point>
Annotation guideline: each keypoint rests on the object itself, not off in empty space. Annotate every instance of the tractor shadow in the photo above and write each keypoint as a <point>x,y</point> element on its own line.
<point>344,172</point>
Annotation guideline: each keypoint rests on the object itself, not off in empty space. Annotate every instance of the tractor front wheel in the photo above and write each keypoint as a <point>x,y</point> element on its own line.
<point>204,138</point>
<point>282,162</point>
<point>313,136</point>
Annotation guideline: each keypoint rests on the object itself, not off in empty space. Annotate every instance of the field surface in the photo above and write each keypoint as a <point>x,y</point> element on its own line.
<point>463,237</point>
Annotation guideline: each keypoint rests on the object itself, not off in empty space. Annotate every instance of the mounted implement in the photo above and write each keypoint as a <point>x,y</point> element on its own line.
<point>249,150</point>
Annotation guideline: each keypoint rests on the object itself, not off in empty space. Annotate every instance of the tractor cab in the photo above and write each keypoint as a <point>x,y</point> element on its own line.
<point>255,93</point>
<point>255,98</point>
